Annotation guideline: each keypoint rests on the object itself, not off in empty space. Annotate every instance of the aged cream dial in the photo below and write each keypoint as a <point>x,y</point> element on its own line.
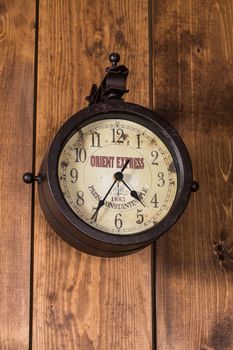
<point>124,165</point>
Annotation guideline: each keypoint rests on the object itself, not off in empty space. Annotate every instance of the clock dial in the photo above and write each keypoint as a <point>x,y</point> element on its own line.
<point>117,176</point>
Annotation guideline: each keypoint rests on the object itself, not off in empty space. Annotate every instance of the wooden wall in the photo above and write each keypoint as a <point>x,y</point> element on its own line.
<point>176,294</point>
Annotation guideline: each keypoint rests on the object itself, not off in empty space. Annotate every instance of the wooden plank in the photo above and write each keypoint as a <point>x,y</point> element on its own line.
<point>193,60</point>
<point>83,302</point>
<point>17,45</point>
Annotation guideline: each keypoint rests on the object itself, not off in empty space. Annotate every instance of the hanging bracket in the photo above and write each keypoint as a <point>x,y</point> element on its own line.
<point>113,86</point>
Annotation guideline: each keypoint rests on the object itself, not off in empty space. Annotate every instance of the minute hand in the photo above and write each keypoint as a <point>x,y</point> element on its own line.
<point>133,193</point>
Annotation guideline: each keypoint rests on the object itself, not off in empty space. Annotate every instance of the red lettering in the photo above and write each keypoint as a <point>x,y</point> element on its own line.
<point>142,163</point>
<point>92,161</point>
<point>111,161</point>
<point>135,163</point>
<point>118,162</point>
<point>105,160</point>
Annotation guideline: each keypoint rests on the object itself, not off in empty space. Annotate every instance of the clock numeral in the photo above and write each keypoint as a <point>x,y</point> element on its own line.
<point>95,139</point>
<point>154,154</point>
<point>80,199</point>
<point>140,217</point>
<point>74,175</point>
<point>118,136</point>
<point>161,179</point>
<point>118,221</point>
<point>154,201</point>
<point>138,141</point>
<point>81,155</point>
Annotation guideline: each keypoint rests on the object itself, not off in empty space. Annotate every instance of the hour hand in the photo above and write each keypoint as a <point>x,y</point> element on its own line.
<point>133,193</point>
<point>136,196</point>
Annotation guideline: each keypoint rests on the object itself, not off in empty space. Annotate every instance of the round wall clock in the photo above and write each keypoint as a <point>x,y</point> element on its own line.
<point>116,176</point>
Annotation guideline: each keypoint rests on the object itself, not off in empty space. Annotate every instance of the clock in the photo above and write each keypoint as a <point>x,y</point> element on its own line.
<point>116,176</point>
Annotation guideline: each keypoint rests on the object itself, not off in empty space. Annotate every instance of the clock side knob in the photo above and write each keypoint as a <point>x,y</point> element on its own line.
<point>114,58</point>
<point>29,178</point>
<point>195,186</point>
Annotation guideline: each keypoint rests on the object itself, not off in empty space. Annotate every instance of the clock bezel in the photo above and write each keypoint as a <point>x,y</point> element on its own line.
<point>78,229</point>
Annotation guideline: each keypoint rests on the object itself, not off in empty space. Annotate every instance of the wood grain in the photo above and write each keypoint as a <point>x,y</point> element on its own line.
<point>17,45</point>
<point>193,90</point>
<point>83,302</point>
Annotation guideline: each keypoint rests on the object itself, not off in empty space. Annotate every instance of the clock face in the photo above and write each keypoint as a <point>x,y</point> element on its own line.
<point>117,176</point>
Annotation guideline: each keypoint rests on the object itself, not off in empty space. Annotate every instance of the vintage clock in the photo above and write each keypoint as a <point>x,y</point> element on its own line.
<point>116,176</point>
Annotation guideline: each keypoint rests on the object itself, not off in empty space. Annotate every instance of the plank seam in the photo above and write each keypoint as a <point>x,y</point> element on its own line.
<point>153,246</point>
<point>33,171</point>
<point>150,50</point>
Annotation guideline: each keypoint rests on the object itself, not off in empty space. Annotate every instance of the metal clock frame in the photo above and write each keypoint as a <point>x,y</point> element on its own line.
<point>77,232</point>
